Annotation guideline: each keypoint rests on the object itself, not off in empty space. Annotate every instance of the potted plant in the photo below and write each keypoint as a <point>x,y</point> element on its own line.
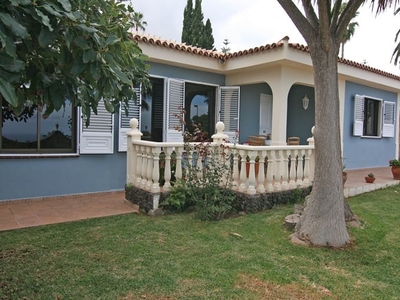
<point>395,164</point>
<point>268,140</point>
<point>256,165</point>
<point>370,178</point>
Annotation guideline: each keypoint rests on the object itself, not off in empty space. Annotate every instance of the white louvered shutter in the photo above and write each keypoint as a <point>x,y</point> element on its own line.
<point>98,137</point>
<point>229,103</point>
<point>134,111</point>
<point>388,119</point>
<point>173,106</point>
<point>358,115</point>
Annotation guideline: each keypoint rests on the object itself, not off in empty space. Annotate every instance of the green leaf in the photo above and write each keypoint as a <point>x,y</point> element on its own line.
<point>50,9</point>
<point>86,28</point>
<point>11,64</point>
<point>46,37</point>
<point>8,43</point>
<point>109,106</point>
<point>20,2</point>
<point>15,27</point>
<point>112,39</point>
<point>81,43</point>
<point>8,92</point>
<point>65,4</point>
<point>89,56</point>
<point>45,19</point>
<point>95,71</point>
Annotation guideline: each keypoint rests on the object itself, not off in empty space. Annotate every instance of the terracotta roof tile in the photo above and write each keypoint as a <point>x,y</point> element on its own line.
<point>350,63</point>
<point>267,47</point>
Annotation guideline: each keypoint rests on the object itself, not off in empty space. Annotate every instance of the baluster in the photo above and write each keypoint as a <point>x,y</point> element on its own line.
<point>270,171</point>
<point>252,179</point>
<point>307,174</point>
<point>235,174</point>
<point>167,169</point>
<point>285,169</point>
<point>278,170</point>
<point>243,186</point>
<point>300,169</point>
<point>150,165</point>
<point>178,168</point>
<point>139,165</point>
<point>155,187</point>
<point>292,183</point>
<point>261,174</point>
<point>144,167</point>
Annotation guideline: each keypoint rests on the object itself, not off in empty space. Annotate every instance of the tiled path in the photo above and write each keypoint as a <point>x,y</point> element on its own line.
<point>35,212</point>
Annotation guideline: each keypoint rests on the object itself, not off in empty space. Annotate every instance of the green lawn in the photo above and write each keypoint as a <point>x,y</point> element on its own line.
<point>179,257</point>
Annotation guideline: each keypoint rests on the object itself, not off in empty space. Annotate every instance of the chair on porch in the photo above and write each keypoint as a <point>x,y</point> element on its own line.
<point>256,140</point>
<point>293,140</point>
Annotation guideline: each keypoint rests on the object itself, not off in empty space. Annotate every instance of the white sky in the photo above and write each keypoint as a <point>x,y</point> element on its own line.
<point>252,23</point>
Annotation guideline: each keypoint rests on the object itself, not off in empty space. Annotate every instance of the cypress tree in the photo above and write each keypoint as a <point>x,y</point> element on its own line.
<point>194,32</point>
<point>208,39</point>
<point>187,23</point>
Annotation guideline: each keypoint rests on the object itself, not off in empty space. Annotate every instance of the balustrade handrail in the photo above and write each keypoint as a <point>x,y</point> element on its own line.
<point>153,165</point>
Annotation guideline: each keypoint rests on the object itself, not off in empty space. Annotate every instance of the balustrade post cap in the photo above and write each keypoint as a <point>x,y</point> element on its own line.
<point>134,123</point>
<point>134,132</point>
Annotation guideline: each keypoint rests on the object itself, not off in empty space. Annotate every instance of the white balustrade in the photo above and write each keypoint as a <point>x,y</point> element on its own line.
<point>152,165</point>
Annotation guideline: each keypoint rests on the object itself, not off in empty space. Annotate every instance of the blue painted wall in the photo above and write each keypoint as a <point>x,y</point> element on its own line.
<point>365,152</point>
<point>187,74</point>
<point>250,109</point>
<point>52,176</point>
<point>300,121</point>
<point>41,177</point>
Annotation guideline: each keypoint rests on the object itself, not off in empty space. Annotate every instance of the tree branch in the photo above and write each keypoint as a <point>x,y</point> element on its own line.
<point>306,27</point>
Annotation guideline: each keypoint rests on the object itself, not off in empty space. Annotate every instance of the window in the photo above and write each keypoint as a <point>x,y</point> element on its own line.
<point>373,117</point>
<point>33,132</point>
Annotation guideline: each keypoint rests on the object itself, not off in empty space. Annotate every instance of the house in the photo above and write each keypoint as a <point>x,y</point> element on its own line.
<point>266,89</point>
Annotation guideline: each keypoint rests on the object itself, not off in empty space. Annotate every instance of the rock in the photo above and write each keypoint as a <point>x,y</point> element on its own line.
<point>291,221</point>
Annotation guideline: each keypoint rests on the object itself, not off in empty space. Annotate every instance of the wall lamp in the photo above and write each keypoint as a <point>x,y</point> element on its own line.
<point>306,101</point>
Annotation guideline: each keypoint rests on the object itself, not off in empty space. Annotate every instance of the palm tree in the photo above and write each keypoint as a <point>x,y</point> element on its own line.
<point>351,28</point>
<point>138,21</point>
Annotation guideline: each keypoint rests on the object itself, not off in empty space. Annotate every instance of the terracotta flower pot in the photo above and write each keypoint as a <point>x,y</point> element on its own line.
<point>369,179</point>
<point>396,172</point>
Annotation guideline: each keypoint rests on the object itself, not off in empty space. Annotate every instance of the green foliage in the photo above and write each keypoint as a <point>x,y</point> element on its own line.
<point>194,31</point>
<point>179,198</point>
<point>52,50</point>
<point>208,175</point>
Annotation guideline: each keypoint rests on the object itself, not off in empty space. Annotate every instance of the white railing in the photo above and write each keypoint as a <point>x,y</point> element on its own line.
<point>255,169</point>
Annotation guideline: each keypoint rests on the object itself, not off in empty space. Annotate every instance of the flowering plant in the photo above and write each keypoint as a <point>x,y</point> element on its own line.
<point>394,162</point>
<point>268,137</point>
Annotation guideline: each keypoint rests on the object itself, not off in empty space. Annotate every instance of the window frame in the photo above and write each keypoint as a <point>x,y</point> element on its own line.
<point>385,126</point>
<point>47,152</point>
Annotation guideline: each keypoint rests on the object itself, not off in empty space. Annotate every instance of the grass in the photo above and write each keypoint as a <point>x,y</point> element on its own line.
<point>178,257</point>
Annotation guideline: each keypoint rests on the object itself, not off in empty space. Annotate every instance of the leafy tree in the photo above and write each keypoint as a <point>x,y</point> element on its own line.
<point>225,49</point>
<point>187,23</point>
<point>81,50</point>
<point>351,28</point>
<point>138,21</point>
<point>323,26</point>
<point>194,31</point>
<point>208,38</point>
